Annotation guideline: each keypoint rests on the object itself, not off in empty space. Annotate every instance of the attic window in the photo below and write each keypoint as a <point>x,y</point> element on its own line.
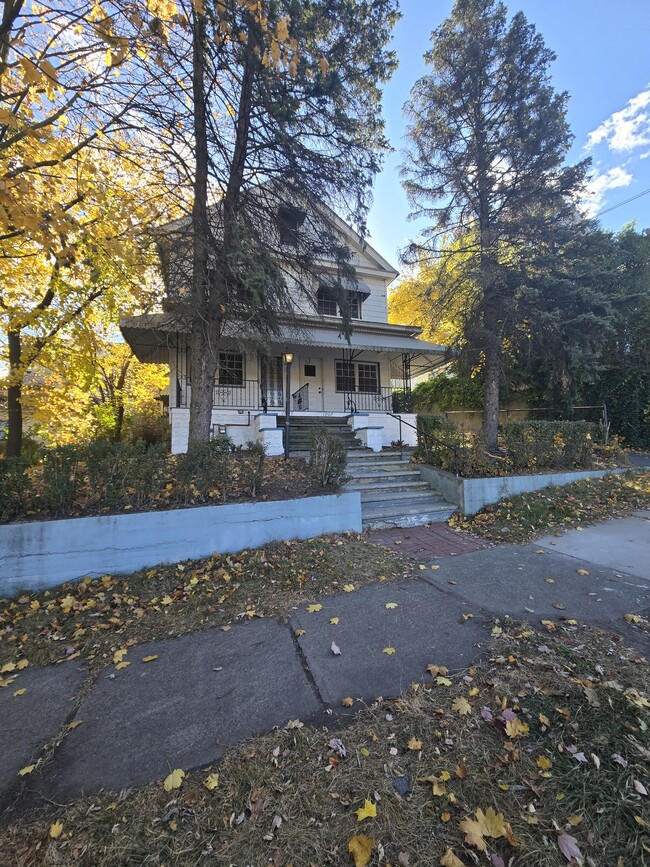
<point>289,220</point>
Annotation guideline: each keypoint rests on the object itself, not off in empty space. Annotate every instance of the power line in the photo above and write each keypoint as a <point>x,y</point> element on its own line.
<point>620,204</point>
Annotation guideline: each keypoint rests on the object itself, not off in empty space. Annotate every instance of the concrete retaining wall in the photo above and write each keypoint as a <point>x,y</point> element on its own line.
<point>472,494</point>
<point>42,554</point>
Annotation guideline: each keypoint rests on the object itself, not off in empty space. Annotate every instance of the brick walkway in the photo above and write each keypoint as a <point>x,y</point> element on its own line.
<point>423,543</point>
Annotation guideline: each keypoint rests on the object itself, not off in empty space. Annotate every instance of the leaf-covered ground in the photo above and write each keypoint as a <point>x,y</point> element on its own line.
<point>553,510</point>
<point>536,756</point>
<point>91,618</point>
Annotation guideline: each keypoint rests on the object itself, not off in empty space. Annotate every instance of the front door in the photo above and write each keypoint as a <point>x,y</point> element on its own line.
<point>311,374</point>
<point>271,375</point>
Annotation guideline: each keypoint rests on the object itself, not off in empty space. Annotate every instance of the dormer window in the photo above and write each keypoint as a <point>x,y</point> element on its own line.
<point>289,222</point>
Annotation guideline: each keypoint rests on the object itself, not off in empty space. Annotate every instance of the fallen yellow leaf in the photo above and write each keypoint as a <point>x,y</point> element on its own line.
<point>434,567</point>
<point>347,702</point>
<point>435,670</point>
<point>515,728</point>
<point>312,609</point>
<point>166,600</point>
<point>414,744</point>
<point>389,650</point>
<point>449,859</point>
<point>21,664</point>
<point>348,588</point>
<point>544,763</point>
<point>174,780</point>
<point>582,571</point>
<point>473,833</point>
<point>334,621</point>
<point>26,770</point>
<point>368,811</point>
<point>55,829</point>
<point>211,782</point>
<point>122,665</point>
<point>391,605</point>
<point>226,628</point>
<point>443,681</point>
<point>150,658</point>
<point>299,632</point>
<point>20,692</point>
<point>461,706</point>
<point>360,847</point>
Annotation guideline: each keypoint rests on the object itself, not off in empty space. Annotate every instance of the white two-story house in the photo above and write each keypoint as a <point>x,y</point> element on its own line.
<point>365,381</point>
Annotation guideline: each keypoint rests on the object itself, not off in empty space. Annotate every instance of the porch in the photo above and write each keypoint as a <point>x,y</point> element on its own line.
<point>254,395</point>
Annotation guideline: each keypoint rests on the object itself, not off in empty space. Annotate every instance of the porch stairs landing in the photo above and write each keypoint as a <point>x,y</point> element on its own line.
<point>393,493</point>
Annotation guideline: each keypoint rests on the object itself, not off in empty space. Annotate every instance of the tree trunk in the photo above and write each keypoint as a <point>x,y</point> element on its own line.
<point>491,410</point>
<point>492,353</point>
<point>14,397</point>
<point>203,353</point>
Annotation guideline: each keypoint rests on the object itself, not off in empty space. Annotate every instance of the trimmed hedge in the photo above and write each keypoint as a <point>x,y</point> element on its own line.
<point>526,446</point>
<point>71,481</point>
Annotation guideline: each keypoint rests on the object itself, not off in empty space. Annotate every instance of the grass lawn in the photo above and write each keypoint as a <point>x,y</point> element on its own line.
<point>553,510</point>
<point>537,755</point>
<point>91,619</point>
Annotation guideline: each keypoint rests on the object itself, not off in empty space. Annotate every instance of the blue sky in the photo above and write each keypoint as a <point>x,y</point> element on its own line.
<point>602,61</point>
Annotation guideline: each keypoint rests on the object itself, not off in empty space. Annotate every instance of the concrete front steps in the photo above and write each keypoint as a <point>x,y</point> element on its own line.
<point>302,426</point>
<point>393,493</point>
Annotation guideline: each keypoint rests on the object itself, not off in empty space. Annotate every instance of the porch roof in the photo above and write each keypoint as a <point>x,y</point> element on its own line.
<point>152,335</point>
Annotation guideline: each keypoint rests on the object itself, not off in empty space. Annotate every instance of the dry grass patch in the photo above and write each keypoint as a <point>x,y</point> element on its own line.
<point>538,753</point>
<point>92,618</point>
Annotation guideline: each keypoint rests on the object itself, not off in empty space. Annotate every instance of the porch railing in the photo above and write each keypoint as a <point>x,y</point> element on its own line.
<point>244,396</point>
<point>300,399</point>
<point>248,395</point>
<point>378,400</point>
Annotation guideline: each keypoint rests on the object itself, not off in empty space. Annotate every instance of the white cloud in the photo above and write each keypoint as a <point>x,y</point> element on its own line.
<point>627,129</point>
<point>599,184</point>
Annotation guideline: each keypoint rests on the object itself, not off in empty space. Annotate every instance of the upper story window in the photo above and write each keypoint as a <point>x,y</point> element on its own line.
<point>230,370</point>
<point>289,221</point>
<point>327,305</point>
<point>326,301</point>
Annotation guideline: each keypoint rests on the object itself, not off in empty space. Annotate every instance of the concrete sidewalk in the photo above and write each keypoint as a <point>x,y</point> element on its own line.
<point>210,690</point>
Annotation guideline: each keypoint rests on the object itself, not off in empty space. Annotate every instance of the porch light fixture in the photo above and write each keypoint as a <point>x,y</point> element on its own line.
<point>288,358</point>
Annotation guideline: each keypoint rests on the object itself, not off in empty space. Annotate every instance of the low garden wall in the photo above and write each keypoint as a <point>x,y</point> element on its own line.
<point>472,494</point>
<point>42,554</point>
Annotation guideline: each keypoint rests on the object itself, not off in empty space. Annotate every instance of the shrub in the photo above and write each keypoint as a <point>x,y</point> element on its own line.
<point>433,432</point>
<point>328,458</point>
<point>62,477</point>
<point>252,466</point>
<point>125,474</point>
<point>204,469</point>
<point>552,445</point>
<point>15,488</point>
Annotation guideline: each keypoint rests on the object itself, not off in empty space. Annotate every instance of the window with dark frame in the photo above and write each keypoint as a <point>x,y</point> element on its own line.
<point>231,369</point>
<point>357,376</point>
<point>288,225</point>
<point>367,377</point>
<point>327,304</point>
<point>345,376</point>
<point>326,301</point>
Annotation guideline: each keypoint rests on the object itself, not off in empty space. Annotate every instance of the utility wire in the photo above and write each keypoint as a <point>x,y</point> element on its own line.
<point>625,202</point>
